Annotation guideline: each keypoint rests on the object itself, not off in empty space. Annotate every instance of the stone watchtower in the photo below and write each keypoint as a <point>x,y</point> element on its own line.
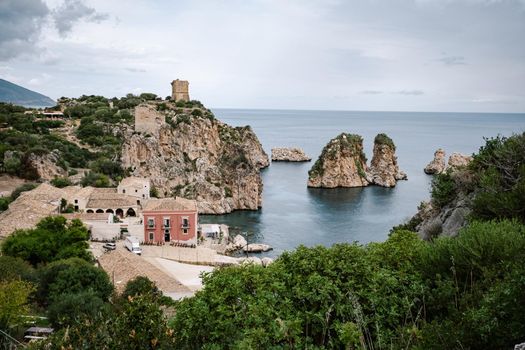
<point>180,90</point>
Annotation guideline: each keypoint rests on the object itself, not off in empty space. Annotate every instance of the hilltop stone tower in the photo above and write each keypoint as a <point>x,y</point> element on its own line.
<point>180,90</point>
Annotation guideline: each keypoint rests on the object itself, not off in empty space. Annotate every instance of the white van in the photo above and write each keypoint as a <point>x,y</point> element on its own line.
<point>133,245</point>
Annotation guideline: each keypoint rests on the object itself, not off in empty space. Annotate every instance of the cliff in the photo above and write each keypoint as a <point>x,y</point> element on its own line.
<point>384,170</point>
<point>342,163</point>
<point>191,154</point>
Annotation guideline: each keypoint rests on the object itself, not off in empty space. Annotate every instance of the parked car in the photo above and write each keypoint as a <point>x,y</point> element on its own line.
<point>110,246</point>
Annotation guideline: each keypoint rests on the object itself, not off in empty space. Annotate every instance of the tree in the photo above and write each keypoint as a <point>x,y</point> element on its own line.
<point>71,276</point>
<point>72,308</point>
<point>52,239</point>
<point>14,296</point>
<point>15,269</point>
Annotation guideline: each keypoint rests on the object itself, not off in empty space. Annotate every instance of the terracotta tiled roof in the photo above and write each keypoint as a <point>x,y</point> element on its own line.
<point>170,204</point>
<point>107,199</point>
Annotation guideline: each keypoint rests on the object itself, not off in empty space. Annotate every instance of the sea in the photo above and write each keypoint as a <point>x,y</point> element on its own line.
<point>294,215</point>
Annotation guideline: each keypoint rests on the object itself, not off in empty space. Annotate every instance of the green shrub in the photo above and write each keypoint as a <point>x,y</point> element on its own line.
<point>95,180</point>
<point>196,113</point>
<point>500,166</point>
<point>443,189</point>
<point>60,182</point>
<point>51,240</point>
<point>383,139</point>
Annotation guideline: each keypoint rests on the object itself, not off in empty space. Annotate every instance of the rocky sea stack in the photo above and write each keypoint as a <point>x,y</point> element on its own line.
<point>438,165</point>
<point>188,153</point>
<point>342,163</point>
<point>384,170</point>
<point>289,154</point>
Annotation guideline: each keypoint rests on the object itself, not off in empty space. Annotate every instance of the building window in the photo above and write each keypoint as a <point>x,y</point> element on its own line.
<point>76,201</point>
<point>185,231</point>
<point>151,236</point>
<point>185,222</point>
<point>151,223</point>
<point>123,191</point>
<point>167,222</point>
<point>136,191</point>
<point>167,235</point>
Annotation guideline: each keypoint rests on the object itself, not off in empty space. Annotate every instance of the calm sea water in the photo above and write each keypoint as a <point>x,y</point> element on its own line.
<point>293,214</point>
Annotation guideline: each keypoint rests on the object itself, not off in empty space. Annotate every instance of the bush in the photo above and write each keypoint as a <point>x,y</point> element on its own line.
<point>70,309</point>
<point>383,139</point>
<point>95,180</point>
<point>60,182</point>
<point>500,165</point>
<point>443,189</point>
<point>51,240</point>
<point>196,113</point>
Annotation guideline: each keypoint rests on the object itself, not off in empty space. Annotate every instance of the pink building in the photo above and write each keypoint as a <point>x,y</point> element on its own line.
<point>170,220</point>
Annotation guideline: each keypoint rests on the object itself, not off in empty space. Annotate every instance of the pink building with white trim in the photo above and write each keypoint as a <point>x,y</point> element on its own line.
<point>170,220</point>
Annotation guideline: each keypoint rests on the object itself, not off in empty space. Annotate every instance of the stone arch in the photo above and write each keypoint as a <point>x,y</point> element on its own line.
<point>130,212</point>
<point>109,211</point>
<point>100,211</point>
<point>119,212</point>
<point>90,211</point>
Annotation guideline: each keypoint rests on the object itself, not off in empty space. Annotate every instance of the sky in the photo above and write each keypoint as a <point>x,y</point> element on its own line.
<point>382,55</point>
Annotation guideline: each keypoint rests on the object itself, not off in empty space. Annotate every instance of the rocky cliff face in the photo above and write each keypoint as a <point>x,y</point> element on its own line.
<point>458,160</point>
<point>431,221</point>
<point>384,170</point>
<point>46,165</point>
<point>198,157</point>
<point>437,165</point>
<point>342,164</point>
<point>292,154</point>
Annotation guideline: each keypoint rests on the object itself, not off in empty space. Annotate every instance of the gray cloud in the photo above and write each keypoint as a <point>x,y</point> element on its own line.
<point>410,92</point>
<point>20,26</point>
<point>371,92</point>
<point>70,12</point>
<point>453,60</point>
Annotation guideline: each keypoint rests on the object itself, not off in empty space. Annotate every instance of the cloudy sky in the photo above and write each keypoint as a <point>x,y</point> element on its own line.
<point>406,55</point>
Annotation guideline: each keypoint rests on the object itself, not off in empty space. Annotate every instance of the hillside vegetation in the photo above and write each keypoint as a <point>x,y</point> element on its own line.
<point>97,123</point>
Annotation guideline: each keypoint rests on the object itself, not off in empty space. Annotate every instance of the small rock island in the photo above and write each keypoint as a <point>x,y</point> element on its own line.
<point>438,165</point>
<point>289,154</point>
<point>342,163</point>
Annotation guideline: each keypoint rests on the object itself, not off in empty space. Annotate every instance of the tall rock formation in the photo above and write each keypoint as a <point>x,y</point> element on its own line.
<point>192,155</point>
<point>437,165</point>
<point>342,163</point>
<point>384,170</point>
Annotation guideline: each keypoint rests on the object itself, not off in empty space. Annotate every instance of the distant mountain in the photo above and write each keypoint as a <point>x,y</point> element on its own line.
<point>21,96</point>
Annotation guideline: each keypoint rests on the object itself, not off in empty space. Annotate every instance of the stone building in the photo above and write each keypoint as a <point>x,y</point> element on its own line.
<point>180,90</point>
<point>133,186</point>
